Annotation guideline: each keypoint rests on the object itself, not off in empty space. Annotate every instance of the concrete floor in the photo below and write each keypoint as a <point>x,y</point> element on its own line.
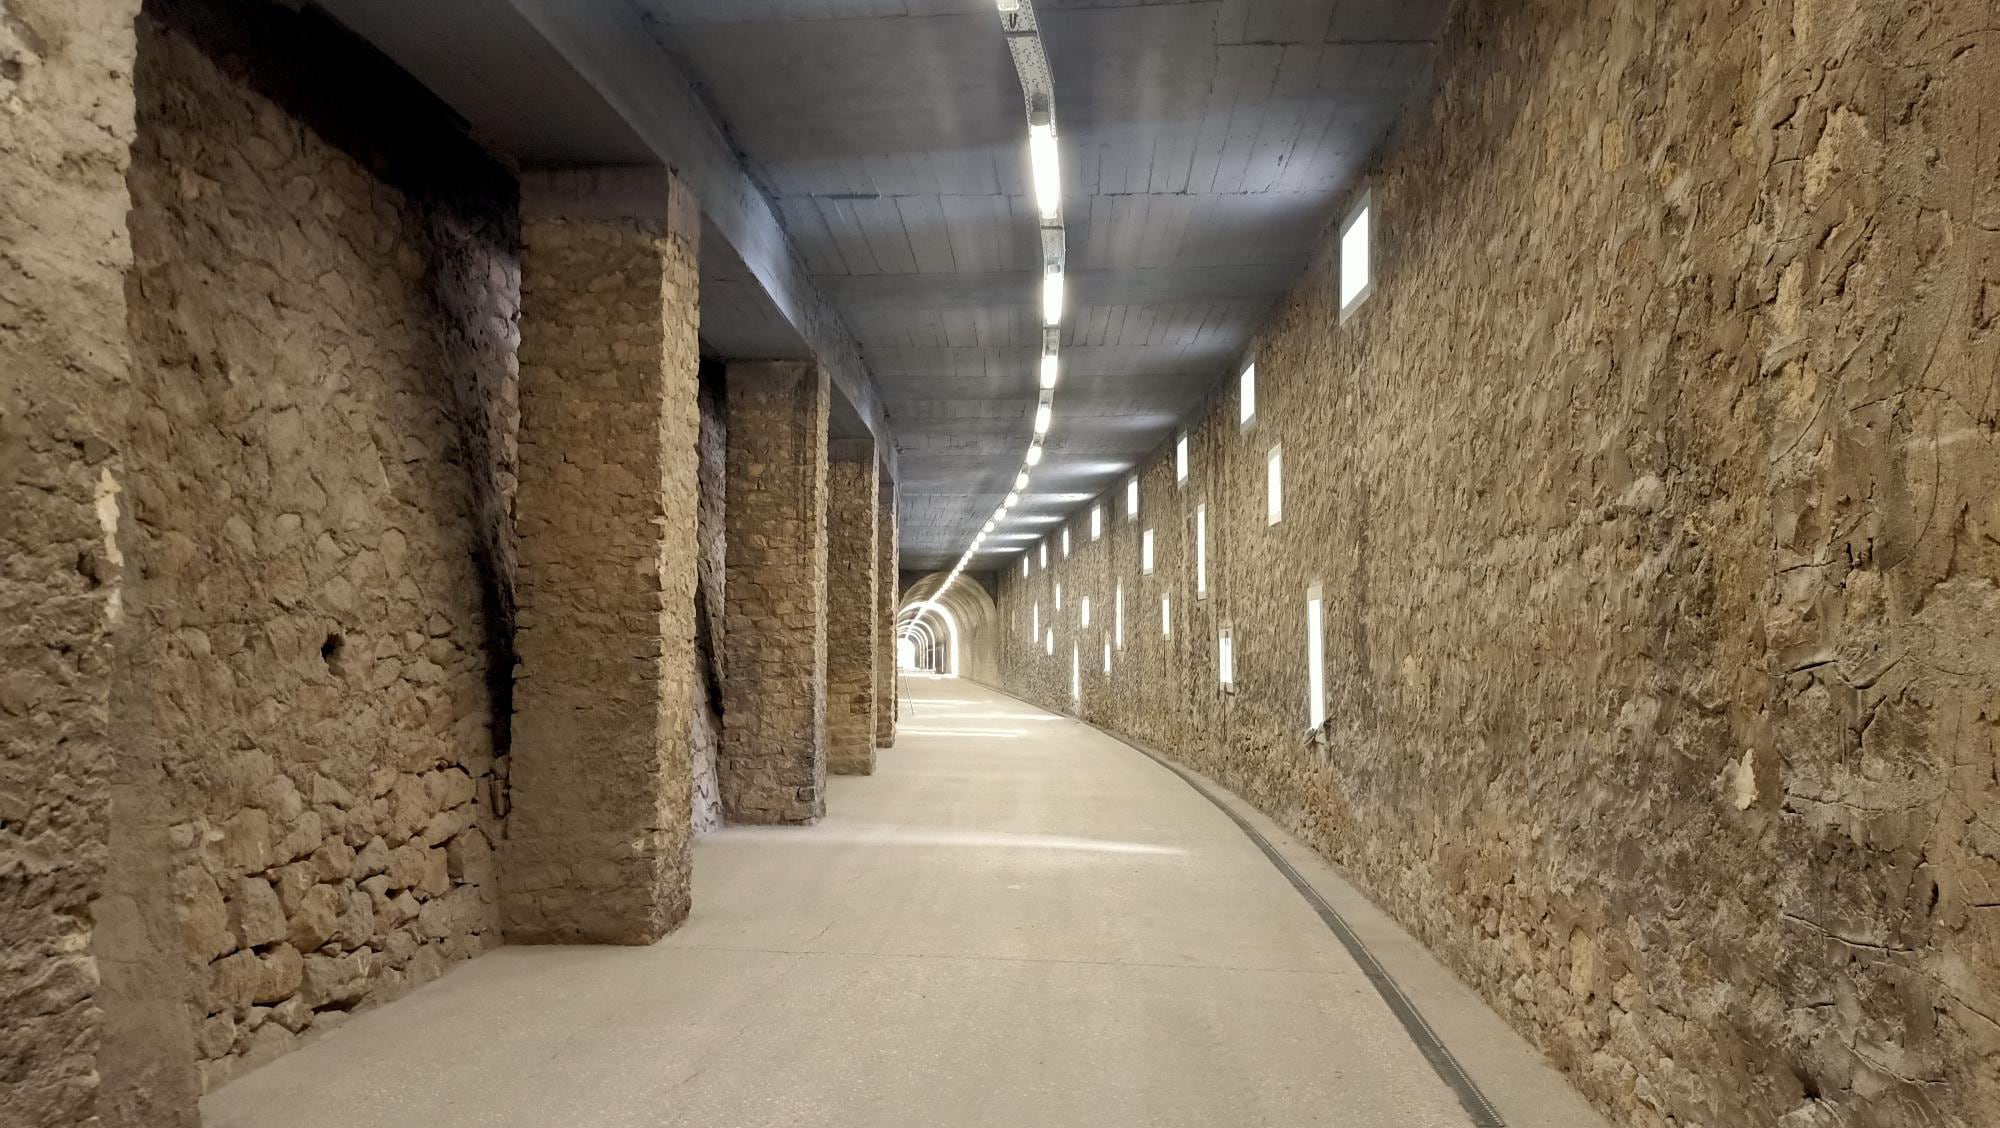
<point>1016,921</point>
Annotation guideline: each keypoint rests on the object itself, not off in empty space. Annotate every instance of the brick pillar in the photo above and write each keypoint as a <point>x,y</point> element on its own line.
<point>886,703</point>
<point>598,838</point>
<point>852,604</point>
<point>773,762</point>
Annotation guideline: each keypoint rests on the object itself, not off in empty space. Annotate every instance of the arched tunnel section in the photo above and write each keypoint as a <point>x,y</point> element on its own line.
<point>950,634</point>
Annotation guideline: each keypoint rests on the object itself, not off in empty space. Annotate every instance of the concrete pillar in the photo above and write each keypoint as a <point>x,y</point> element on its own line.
<point>772,767</point>
<point>598,839</point>
<point>886,544</point>
<point>852,606</point>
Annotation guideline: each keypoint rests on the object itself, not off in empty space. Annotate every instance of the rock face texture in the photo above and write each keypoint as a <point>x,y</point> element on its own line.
<point>712,539</point>
<point>321,318</point>
<point>288,681</point>
<point>773,762</point>
<point>599,845</point>
<point>852,603</point>
<point>65,68</point>
<point>1654,499</point>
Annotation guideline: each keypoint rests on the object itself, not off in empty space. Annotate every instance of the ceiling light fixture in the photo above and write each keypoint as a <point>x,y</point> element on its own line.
<point>1031,66</point>
<point>1048,171</point>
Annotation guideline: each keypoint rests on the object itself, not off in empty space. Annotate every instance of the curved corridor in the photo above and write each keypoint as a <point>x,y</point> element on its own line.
<point>1017,921</point>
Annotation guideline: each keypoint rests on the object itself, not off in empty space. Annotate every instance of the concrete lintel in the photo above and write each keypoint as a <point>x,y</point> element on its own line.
<point>648,194</point>
<point>851,450</point>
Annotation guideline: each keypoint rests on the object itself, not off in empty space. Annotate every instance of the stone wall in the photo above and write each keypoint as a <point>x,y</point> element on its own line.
<point>322,311</point>
<point>852,604</point>
<point>711,539</point>
<point>1654,497</point>
<point>65,69</point>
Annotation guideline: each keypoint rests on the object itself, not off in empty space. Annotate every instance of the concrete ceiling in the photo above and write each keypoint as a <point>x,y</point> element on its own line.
<point>864,162</point>
<point>1203,147</point>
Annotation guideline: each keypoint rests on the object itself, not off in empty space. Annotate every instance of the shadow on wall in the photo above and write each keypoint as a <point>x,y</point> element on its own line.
<point>955,635</point>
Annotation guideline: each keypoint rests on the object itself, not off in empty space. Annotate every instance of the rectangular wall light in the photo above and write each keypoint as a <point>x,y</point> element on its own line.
<point>1315,659</point>
<point>1201,551</point>
<point>1052,297</point>
<point>1118,613</point>
<point>1274,486</point>
<point>1356,278</point>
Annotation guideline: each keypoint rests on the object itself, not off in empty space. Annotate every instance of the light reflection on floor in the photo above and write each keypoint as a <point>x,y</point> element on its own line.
<point>877,834</point>
<point>1002,717</point>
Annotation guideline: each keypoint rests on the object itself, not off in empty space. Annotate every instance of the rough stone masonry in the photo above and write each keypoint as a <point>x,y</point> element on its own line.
<point>1654,499</point>
<point>852,604</point>
<point>598,846</point>
<point>65,135</point>
<point>321,315</point>
<point>888,603</point>
<point>772,765</point>
<point>293,672</point>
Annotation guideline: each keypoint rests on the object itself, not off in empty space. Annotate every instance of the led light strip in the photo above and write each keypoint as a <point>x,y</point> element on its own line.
<point>1024,42</point>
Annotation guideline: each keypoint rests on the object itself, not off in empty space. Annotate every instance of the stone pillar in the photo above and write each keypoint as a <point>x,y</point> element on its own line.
<point>852,604</point>
<point>773,762</point>
<point>66,71</point>
<point>598,838</point>
<point>887,592</point>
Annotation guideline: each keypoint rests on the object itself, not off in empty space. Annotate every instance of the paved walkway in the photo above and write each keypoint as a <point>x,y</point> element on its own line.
<point>1016,922</point>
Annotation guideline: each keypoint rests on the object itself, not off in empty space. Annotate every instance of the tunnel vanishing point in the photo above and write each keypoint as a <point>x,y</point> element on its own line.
<point>1000,562</point>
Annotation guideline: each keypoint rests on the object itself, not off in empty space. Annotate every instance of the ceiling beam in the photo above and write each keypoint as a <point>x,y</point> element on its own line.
<point>613,46</point>
<point>568,82</point>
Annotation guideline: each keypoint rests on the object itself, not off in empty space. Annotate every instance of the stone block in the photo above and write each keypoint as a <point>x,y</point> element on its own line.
<point>255,915</point>
<point>316,921</point>
<point>331,980</point>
